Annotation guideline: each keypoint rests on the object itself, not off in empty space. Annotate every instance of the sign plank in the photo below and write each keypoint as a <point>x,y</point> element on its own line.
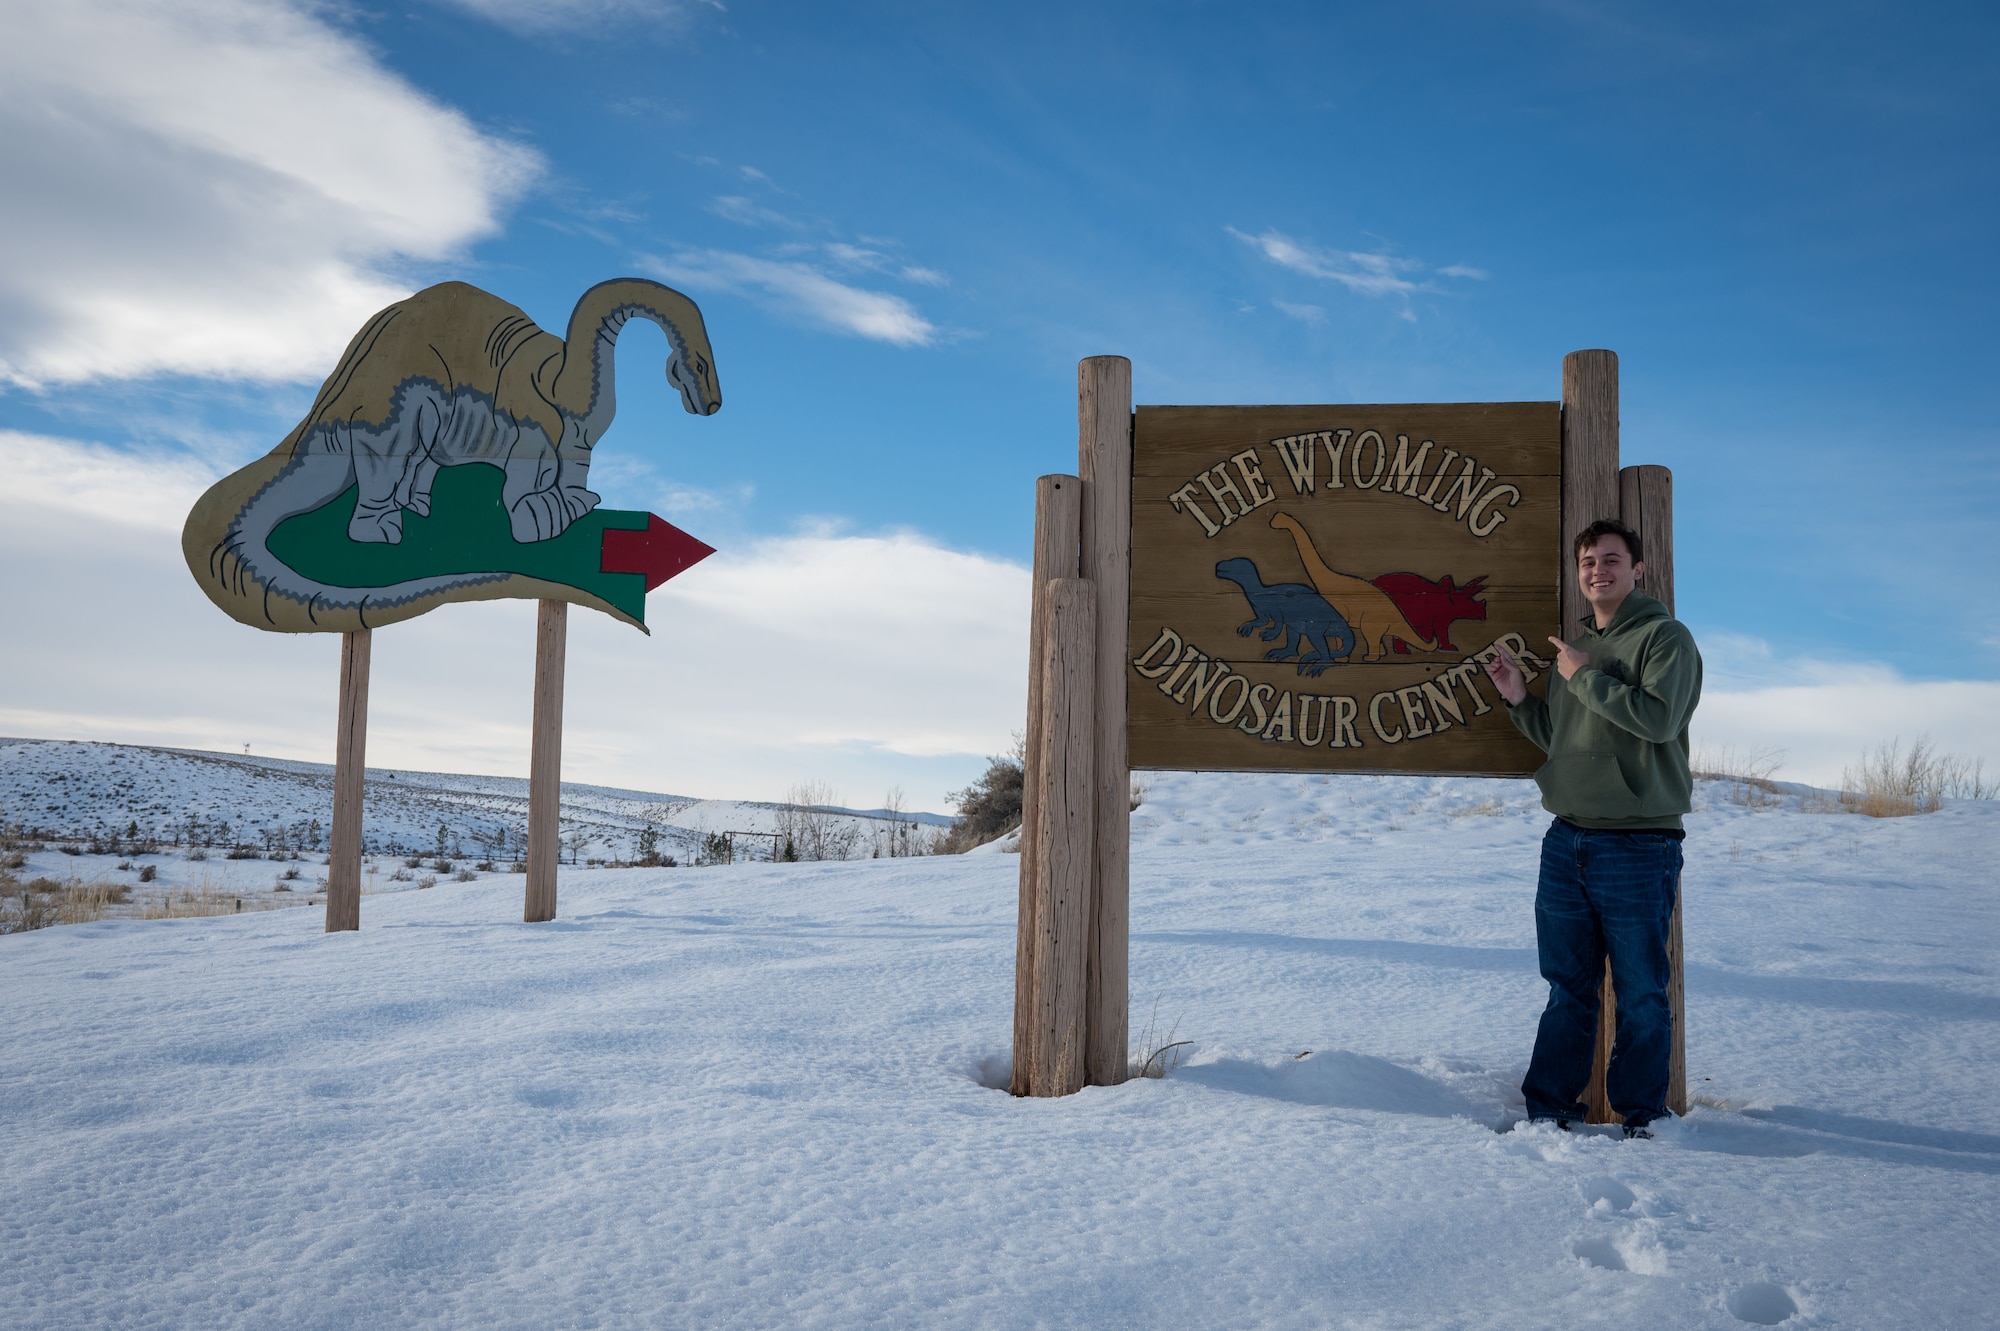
<point>1315,587</point>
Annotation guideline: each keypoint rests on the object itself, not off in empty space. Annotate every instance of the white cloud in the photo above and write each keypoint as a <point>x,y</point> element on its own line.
<point>748,212</point>
<point>1370,274</point>
<point>1824,714</point>
<point>153,491</point>
<point>864,660</point>
<point>553,17</point>
<point>216,187</point>
<point>639,485</point>
<point>800,291</point>
<point>1305,314</point>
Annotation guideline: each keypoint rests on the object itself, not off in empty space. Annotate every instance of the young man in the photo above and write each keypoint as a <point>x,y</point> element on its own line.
<point>1615,727</point>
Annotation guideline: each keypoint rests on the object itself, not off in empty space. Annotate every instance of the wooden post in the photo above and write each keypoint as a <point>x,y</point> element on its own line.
<point>545,762</point>
<point>1589,459</point>
<point>1104,460</point>
<point>350,756</point>
<point>1646,505</point>
<point>1589,492</point>
<point>1058,501</point>
<point>1064,845</point>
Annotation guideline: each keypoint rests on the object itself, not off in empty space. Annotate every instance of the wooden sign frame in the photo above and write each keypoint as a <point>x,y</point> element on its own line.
<point>1071,1002</point>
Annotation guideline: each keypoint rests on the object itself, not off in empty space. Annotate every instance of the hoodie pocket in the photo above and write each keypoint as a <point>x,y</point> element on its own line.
<point>1587,785</point>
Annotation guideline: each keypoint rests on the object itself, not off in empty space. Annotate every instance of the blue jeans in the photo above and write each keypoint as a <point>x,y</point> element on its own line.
<point>1603,893</point>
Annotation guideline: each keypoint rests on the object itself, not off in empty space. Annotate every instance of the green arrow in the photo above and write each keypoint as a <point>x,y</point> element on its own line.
<point>466,532</point>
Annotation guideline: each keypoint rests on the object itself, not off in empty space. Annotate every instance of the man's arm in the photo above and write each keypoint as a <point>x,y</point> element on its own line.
<point>1529,714</point>
<point>1656,708</point>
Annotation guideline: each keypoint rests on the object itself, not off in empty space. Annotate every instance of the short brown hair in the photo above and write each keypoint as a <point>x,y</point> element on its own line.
<point>1602,528</point>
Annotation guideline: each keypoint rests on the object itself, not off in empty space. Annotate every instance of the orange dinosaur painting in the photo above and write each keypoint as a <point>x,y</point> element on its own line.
<point>1376,621</point>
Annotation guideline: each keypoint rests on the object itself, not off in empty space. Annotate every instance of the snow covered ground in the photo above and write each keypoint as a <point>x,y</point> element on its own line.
<point>760,1095</point>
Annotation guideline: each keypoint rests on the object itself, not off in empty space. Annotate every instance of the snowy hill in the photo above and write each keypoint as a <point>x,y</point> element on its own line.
<point>761,1095</point>
<point>80,792</point>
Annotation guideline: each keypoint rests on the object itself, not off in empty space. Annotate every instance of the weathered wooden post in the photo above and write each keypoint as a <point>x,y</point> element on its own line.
<point>1646,505</point>
<point>350,756</point>
<point>545,762</point>
<point>1589,492</point>
<point>1104,456</point>
<point>1595,486</point>
<point>1058,501</point>
<point>1064,844</point>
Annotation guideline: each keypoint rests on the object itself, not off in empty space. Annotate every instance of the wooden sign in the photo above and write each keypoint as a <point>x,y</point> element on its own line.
<point>1319,587</point>
<point>371,510</point>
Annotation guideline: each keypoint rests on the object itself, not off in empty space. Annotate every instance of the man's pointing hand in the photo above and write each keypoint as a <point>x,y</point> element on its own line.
<point>1568,659</point>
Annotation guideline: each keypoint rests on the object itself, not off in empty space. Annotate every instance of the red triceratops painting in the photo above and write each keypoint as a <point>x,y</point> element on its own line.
<point>1432,607</point>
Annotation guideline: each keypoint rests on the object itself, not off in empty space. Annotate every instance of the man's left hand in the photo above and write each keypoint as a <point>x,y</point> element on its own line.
<point>1568,659</point>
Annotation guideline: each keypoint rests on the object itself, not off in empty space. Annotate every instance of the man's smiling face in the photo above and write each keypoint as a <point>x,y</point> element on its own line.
<point>1607,574</point>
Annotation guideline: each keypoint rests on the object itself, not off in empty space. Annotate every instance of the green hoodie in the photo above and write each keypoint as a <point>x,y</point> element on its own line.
<point>1617,731</point>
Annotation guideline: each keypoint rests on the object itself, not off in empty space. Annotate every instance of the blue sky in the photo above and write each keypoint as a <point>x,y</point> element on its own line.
<point>905,224</point>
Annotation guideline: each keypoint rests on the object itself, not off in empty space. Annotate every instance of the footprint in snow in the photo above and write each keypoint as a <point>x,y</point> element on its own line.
<point>1632,1249</point>
<point>1761,1303</point>
<point>1633,1244</point>
<point>1604,1194</point>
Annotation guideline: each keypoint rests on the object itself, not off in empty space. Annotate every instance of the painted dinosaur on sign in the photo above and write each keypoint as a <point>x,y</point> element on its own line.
<point>1433,607</point>
<point>1376,618</point>
<point>1312,629</point>
<point>371,511</point>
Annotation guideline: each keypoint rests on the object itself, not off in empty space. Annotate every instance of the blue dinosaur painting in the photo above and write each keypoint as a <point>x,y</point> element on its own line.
<point>1313,630</point>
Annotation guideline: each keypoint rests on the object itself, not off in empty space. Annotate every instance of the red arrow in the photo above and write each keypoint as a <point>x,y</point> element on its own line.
<point>659,552</point>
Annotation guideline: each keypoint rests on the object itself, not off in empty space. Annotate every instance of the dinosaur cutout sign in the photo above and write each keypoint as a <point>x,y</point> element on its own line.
<point>1380,554</point>
<point>447,458</point>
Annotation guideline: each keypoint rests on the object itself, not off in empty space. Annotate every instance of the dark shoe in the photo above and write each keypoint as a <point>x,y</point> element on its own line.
<point>1562,1123</point>
<point>1638,1131</point>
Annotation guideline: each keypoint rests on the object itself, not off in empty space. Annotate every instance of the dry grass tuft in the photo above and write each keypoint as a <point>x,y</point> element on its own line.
<point>192,904</point>
<point>1747,771</point>
<point>1486,808</point>
<point>1891,782</point>
<point>43,902</point>
<point>1157,1058</point>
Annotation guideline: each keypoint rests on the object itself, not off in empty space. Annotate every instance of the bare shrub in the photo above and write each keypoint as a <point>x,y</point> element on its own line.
<point>809,829</point>
<point>904,836</point>
<point>465,876</point>
<point>988,809</point>
<point>1890,782</point>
